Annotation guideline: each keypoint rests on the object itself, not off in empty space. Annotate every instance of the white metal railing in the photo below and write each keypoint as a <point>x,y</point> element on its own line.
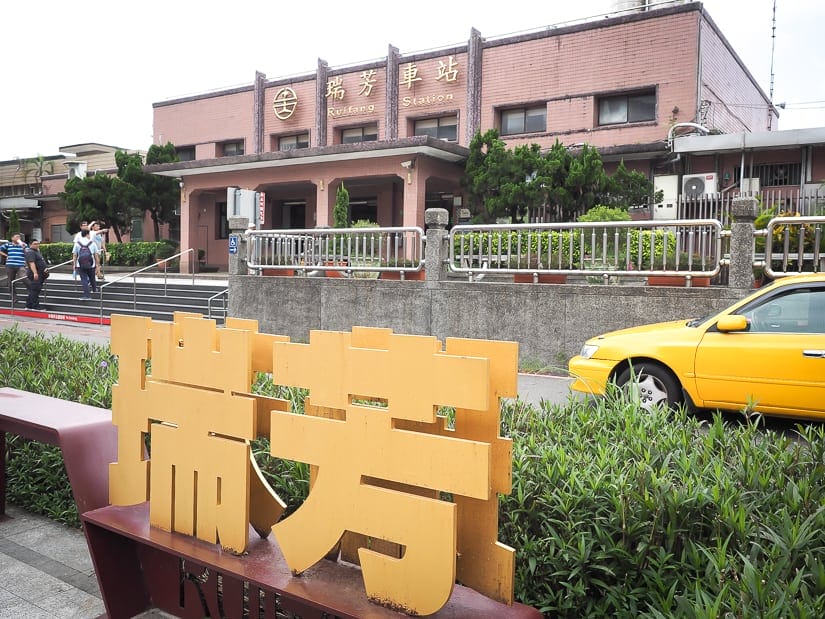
<point>161,266</point>
<point>348,250</point>
<point>44,293</point>
<point>690,248</point>
<point>223,295</point>
<point>794,244</point>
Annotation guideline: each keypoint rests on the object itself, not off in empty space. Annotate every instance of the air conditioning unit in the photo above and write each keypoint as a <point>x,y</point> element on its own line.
<point>749,185</point>
<point>695,185</point>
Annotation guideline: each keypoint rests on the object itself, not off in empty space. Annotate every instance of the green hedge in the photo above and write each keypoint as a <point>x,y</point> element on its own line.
<point>136,254</point>
<point>614,511</point>
<point>643,244</point>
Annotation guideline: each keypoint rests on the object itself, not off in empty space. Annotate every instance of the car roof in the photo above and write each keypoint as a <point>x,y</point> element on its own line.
<point>799,278</point>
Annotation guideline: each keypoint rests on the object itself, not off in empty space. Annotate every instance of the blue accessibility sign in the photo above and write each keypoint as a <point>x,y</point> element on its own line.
<point>233,244</point>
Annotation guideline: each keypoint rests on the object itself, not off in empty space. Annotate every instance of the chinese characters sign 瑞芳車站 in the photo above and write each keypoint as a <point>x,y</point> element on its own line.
<point>196,405</point>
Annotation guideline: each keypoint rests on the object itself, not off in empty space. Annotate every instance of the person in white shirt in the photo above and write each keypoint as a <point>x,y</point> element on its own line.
<point>99,239</point>
<point>84,225</point>
<point>85,253</point>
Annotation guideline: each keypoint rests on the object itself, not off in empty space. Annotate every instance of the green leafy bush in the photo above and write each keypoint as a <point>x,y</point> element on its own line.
<point>136,254</point>
<point>605,213</point>
<point>700,521</point>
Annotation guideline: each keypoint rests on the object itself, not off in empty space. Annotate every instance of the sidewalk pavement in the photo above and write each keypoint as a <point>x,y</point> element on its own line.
<point>45,567</point>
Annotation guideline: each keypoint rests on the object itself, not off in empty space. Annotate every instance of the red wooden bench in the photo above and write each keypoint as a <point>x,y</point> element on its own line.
<point>85,435</point>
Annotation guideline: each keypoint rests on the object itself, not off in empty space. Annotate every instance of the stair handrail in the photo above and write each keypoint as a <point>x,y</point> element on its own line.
<point>223,293</point>
<point>45,294</point>
<point>133,274</point>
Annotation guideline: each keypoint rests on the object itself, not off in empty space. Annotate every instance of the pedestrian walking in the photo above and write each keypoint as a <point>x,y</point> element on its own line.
<point>99,238</point>
<point>13,252</point>
<point>37,272</point>
<point>85,253</point>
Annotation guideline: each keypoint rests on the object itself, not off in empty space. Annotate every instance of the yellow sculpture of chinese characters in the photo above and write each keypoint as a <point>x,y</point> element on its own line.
<point>381,460</point>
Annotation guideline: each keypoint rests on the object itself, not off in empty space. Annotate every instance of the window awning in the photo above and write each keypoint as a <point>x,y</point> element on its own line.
<point>7,204</point>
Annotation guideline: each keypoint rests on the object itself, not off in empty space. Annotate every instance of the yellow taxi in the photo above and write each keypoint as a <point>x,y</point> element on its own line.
<point>766,352</point>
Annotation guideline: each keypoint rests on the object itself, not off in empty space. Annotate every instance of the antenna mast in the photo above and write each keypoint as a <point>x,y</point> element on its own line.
<point>773,47</point>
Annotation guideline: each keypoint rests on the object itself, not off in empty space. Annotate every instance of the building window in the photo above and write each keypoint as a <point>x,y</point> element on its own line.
<point>223,223</point>
<point>291,142</point>
<point>368,133</point>
<point>524,120</point>
<point>631,108</point>
<point>136,233</point>
<point>444,128</point>
<point>185,153</point>
<point>230,149</point>
<point>773,174</point>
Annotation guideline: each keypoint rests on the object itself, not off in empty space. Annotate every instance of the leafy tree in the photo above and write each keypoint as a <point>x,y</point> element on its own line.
<point>37,167</point>
<point>95,198</point>
<point>143,192</point>
<point>626,188</point>
<point>488,171</point>
<point>502,182</point>
<point>14,223</point>
<point>340,213</point>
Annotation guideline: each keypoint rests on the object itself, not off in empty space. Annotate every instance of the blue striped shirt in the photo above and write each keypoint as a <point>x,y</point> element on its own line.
<point>16,257</point>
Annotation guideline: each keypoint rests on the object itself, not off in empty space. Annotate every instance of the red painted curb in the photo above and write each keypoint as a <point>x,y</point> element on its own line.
<point>93,320</point>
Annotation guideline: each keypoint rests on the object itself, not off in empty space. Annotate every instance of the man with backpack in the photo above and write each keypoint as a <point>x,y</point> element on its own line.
<point>85,253</point>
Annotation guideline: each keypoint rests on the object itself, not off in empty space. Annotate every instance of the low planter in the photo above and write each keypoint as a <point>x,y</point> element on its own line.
<point>335,273</point>
<point>279,272</point>
<point>544,278</point>
<point>677,280</point>
<point>408,275</point>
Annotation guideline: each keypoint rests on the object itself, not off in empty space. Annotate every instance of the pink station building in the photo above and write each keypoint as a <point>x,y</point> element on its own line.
<point>660,89</point>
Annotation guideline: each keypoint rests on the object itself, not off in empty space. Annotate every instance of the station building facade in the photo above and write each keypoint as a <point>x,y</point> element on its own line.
<point>396,131</point>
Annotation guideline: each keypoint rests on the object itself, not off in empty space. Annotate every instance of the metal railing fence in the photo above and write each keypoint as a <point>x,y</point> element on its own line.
<point>164,264</point>
<point>794,244</point>
<point>690,248</point>
<point>348,250</point>
<point>44,292</point>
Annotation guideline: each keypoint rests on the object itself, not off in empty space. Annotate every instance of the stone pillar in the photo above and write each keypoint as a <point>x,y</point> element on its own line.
<point>237,262</point>
<point>435,249</point>
<point>320,137</point>
<point>743,212</point>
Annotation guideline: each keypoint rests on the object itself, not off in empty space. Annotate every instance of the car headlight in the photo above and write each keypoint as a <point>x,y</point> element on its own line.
<point>588,350</point>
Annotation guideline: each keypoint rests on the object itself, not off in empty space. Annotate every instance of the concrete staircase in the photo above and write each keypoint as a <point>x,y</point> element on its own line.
<point>154,296</point>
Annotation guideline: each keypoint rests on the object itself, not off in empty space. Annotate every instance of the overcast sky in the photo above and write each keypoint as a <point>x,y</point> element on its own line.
<point>89,72</point>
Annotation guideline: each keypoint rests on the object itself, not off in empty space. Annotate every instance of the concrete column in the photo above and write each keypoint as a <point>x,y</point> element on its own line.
<point>414,194</point>
<point>237,262</point>
<point>320,136</point>
<point>436,249</point>
<point>391,97</point>
<point>743,212</point>
<point>186,232</point>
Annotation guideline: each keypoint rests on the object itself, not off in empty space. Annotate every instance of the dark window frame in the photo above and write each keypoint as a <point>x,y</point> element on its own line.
<point>365,137</point>
<point>298,142</point>
<point>528,116</point>
<point>185,153</point>
<point>634,105</point>
<point>445,132</point>
<point>237,145</point>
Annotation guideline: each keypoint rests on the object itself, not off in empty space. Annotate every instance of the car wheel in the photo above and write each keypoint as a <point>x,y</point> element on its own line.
<point>650,384</point>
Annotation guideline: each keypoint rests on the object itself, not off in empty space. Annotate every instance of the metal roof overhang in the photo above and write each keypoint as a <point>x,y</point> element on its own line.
<point>737,142</point>
<point>405,147</point>
<point>8,204</point>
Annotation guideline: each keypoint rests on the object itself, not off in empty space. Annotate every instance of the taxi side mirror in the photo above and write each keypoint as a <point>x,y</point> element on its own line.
<point>732,322</point>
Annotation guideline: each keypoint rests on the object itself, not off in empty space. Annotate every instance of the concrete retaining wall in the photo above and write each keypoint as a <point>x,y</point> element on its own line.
<point>550,322</point>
